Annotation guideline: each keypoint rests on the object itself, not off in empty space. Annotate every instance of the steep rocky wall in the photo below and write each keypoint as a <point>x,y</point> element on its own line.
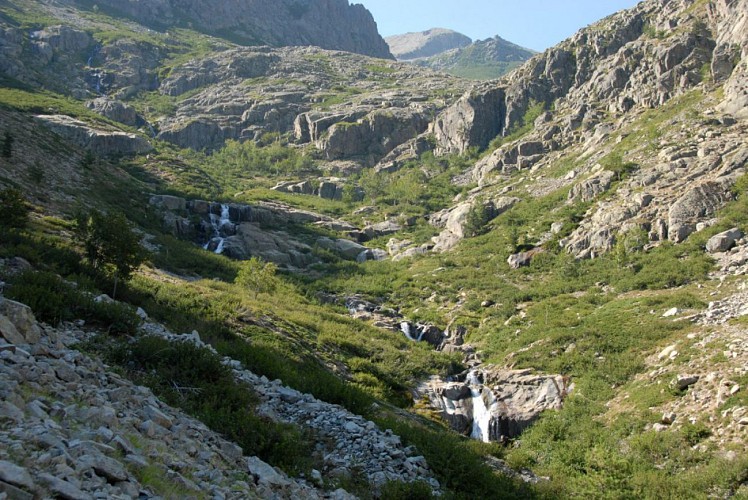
<point>329,24</point>
<point>640,57</point>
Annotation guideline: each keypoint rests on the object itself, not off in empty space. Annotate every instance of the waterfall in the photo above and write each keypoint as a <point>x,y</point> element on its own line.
<point>481,413</point>
<point>218,222</point>
<point>405,328</point>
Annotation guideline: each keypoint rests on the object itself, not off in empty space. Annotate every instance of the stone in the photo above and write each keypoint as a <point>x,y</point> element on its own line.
<point>15,475</point>
<point>523,259</point>
<point>671,312</point>
<point>22,318</point>
<point>157,416</point>
<point>116,111</point>
<point>723,241</point>
<point>591,188</point>
<point>108,468</point>
<point>668,418</point>
<point>63,489</point>
<point>9,332</point>
<point>683,382</point>
<point>10,492</point>
<point>100,141</point>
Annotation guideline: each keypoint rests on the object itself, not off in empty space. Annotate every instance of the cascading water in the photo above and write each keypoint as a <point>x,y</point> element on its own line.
<point>405,328</point>
<point>481,413</point>
<point>218,222</point>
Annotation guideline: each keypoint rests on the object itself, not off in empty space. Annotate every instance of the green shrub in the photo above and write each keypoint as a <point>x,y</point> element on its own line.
<point>14,210</point>
<point>195,380</point>
<point>54,300</point>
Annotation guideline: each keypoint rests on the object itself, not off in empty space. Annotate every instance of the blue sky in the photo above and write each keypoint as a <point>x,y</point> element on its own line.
<point>535,24</point>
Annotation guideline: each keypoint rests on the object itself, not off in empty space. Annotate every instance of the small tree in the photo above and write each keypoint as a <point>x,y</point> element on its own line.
<point>14,210</point>
<point>7,149</point>
<point>477,219</point>
<point>257,276</point>
<point>374,184</point>
<point>112,248</point>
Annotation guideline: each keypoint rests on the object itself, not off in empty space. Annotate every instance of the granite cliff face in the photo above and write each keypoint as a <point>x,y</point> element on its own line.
<point>329,24</point>
<point>589,100</point>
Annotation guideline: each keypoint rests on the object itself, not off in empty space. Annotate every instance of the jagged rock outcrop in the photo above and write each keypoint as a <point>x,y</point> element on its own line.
<point>102,142</point>
<point>613,62</point>
<point>609,85</point>
<point>492,403</point>
<point>374,135</point>
<point>329,24</point>
<point>455,220</point>
<point>425,43</point>
<point>472,121</point>
<point>265,230</point>
<point>293,85</point>
<point>116,111</point>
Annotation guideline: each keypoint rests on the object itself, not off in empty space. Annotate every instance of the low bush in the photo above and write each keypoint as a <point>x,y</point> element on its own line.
<point>54,300</point>
<point>195,380</point>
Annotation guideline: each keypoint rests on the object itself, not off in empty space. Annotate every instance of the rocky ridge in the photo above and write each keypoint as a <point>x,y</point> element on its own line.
<point>601,83</point>
<point>481,60</point>
<point>425,44</point>
<point>282,23</point>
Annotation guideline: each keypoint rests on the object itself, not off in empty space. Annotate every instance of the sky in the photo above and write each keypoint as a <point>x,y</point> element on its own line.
<point>534,24</point>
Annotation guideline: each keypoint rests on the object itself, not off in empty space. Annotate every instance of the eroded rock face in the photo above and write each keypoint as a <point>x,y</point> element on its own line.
<point>115,110</point>
<point>473,121</point>
<point>699,202</point>
<point>330,24</point>
<point>425,43</point>
<point>496,404</point>
<point>455,220</point>
<point>103,142</point>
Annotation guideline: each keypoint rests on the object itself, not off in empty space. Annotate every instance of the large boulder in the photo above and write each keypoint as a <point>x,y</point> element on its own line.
<point>724,241</point>
<point>473,121</point>
<point>456,219</point>
<point>115,110</point>
<point>593,187</point>
<point>698,203</point>
<point>17,323</point>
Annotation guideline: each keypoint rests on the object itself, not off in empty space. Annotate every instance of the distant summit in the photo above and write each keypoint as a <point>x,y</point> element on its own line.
<point>426,43</point>
<point>481,60</point>
<point>452,52</point>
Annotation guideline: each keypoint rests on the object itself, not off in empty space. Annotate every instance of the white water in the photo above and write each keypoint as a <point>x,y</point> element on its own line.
<point>405,327</point>
<point>481,414</point>
<point>217,222</point>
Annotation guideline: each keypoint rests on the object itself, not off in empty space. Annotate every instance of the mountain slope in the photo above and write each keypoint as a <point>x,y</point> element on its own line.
<point>425,43</point>
<point>482,60</point>
<point>329,24</point>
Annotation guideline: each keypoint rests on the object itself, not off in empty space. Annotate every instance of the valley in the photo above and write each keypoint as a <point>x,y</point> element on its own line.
<point>260,257</point>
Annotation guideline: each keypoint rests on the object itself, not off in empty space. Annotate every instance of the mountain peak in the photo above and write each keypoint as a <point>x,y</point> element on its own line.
<point>427,43</point>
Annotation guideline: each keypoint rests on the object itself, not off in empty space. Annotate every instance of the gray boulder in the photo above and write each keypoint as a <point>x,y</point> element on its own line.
<point>115,110</point>
<point>593,187</point>
<point>698,203</point>
<point>724,241</point>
